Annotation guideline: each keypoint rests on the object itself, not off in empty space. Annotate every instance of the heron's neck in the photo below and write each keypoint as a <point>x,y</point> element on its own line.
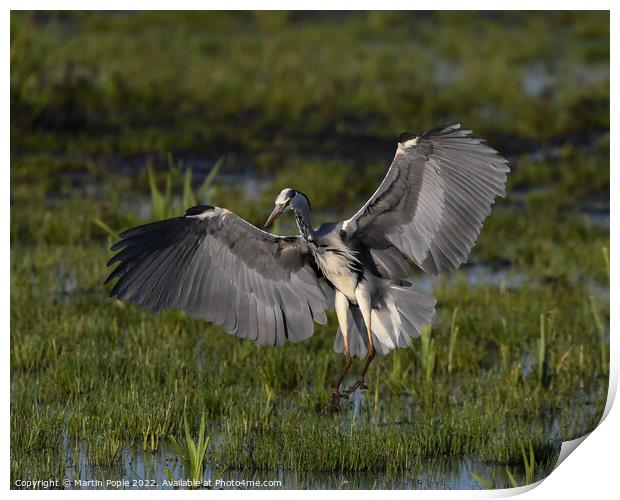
<point>304,222</point>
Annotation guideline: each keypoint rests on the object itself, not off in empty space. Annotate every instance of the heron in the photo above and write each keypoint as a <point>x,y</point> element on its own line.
<point>216,266</point>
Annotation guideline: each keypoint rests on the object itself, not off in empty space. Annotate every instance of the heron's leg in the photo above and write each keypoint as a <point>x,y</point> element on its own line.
<point>342,309</point>
<point>342,306</point>
<point>364,302</point>
<point>369,357</point>
<point>347,365</point>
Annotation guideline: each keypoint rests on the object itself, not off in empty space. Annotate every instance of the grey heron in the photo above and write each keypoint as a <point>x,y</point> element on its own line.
<point>214,265</point>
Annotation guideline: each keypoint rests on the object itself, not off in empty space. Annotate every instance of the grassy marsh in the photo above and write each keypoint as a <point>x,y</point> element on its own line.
<point>98,387</point>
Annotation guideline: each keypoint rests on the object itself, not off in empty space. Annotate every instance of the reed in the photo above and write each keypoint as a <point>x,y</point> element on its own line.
<point>192,453</point>
<point>454,332</point>
<point>164,202</point>
<point>541,354</point>
<point>427,353</point>
<point>602,332</point>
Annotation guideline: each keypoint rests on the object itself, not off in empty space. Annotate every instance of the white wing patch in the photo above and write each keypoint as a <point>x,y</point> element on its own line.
<point>202,215</point>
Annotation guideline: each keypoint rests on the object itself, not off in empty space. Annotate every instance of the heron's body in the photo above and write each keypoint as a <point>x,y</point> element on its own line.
<point>338,262</point>
<point>429,209</point>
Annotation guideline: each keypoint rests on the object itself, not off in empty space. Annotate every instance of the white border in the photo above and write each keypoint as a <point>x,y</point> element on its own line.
<point>591,471</point>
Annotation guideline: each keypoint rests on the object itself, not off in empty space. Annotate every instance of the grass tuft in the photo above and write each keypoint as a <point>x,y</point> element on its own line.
<point>427,353</point>
<point>192,453</point>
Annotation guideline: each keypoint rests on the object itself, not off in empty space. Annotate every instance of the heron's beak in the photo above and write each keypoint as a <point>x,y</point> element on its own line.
<point>274,215</point>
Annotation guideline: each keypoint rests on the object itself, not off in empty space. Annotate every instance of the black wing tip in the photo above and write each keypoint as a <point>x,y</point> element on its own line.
<point>405,136</point>
<point>118,245</point>
<point>434,132</point>
<point>117,272</point>
<point>114,290</point>
<point>198,209</point>
<point>443,130</point>
<point>129,232</point>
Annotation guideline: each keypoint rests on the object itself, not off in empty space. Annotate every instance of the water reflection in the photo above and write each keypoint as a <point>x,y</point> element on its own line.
<point>162,469</point>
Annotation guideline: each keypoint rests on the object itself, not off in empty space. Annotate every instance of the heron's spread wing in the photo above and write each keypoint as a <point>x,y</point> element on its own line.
<point>218,267</point>
<point>434,198</point>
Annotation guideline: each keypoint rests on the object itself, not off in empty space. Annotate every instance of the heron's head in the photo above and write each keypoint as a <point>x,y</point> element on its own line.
<point>288,199</point>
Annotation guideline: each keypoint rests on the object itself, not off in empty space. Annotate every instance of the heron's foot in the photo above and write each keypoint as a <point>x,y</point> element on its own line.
<point>359,384</point>
<point>333,404</point>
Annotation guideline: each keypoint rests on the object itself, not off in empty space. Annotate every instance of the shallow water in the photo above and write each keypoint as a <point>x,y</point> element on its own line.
<point>162,469</point>
<point>474,275</point>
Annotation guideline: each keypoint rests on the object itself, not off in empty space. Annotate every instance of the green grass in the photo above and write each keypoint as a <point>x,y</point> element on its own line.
<point>163,202</point>
<point>82,365</point>
<point>541,354</point>
<point>454,333</point>
<point>602,331</point>
<point>192,453</point>
<point>218,82</point>
<point>512,366</point>
<point>530,471</point>
<point>428,354</point>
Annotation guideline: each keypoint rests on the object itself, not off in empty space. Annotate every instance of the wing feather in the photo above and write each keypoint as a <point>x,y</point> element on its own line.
<point>218,267</point>
<point>433,200</point>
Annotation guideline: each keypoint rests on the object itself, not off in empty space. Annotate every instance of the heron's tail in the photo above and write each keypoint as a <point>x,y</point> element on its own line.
<point>400,318</point>
<point>395,320</point>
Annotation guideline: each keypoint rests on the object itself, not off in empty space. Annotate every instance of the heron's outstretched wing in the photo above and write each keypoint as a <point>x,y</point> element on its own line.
<point>218,267</point>
<point>434,198</point>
